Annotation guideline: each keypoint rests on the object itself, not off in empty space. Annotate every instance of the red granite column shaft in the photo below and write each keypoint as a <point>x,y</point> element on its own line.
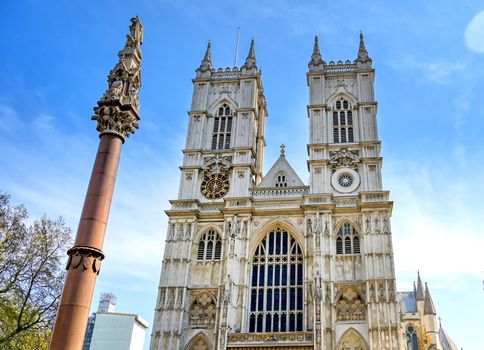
<point>85,256</point>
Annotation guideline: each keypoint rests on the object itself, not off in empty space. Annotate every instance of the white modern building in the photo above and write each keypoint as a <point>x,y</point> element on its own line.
<point>110,330</point>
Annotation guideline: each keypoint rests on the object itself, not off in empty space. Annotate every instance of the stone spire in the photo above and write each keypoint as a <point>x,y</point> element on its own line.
<point>362,52</point>
<point>420,293</point>
<point>206,63</point>
<point>429,308</point>
<point>117,111</point>
<point>250,61</point>
<point>316,58</point>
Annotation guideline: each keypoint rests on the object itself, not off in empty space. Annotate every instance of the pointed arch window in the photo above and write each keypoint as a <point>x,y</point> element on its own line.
<point>411,338</point>
<point>347,240</point>
<point>222,128</point>
<point>281,180</point>
<point>276,300</point>
<point>209,247</point>
<point>343,122</point>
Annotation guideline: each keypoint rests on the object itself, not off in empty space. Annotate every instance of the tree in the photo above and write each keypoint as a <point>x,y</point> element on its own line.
<point>31,276</point>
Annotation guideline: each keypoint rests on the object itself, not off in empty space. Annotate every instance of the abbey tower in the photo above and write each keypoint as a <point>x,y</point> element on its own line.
<point>256,261</point>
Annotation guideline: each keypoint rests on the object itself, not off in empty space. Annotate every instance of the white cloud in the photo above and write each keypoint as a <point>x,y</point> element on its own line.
<point>9,119</point>
<point>474,33</point>
<point>437,71</point>
<point>434,229</point>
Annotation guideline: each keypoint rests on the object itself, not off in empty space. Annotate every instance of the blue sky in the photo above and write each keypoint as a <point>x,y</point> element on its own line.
<point>429,61</point>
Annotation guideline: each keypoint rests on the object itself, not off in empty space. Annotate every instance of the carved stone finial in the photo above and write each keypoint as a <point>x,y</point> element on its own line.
<point>316,61</point>
<point>206,63</point>
<point>250,61</point>
<point>363,53</point>
<point>283,150</point>
<point>117,111</point>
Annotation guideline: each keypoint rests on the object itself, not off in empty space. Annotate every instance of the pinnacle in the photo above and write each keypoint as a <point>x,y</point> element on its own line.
<point>420,293</point>
<point>206,63</point>
<point>429,308</point>
<point>250,61</point>
<point>316,58</point>
<point>363,56</point>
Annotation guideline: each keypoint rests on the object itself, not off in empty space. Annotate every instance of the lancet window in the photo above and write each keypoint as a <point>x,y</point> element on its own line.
<point>222,128</point>
<point>347,240</point>
<point>412,339</point>
<point>276,301</point>
<point>209,247</point>
<point>343,122</point>
<point>281,180</point>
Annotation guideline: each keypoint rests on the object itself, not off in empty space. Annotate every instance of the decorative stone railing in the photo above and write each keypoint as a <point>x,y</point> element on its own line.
<point>280,192</point>
<point>382,196</point>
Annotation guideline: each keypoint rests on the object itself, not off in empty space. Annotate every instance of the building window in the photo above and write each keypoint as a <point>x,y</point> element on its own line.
<point>276,301</point>
<point>347,240</point>
<point>412,339</point>
<point>209,247</point>
<point>343,122</point>
<point>281,180</point>
<point>222,128</point>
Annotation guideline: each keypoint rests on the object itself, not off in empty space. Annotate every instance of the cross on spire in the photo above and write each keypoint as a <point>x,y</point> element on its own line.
<point>283,150</point>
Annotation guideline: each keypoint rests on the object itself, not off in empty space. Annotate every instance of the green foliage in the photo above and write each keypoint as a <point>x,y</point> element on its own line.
<point>31,276</point>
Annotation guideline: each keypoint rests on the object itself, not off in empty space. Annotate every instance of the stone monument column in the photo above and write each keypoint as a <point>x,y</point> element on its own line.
<point>117,118</point>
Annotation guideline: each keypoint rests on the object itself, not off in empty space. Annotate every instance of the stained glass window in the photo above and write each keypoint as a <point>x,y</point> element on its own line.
<point>412,339</point>
<point>347,240</point>
<point>276,299</point>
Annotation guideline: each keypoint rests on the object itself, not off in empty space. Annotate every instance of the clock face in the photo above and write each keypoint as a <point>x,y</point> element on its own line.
<point>215,186</point>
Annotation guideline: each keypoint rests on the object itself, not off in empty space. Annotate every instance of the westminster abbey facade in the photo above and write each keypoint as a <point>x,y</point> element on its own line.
<point>256,261</point>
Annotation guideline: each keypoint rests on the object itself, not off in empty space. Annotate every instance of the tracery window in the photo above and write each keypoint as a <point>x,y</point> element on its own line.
<point>412,339</point>
<point>347,240</point>
<point>281,180</point>
<point>342,122</point>
<point>276,301</point>
<point>202,310</point>
<point>209,246</point>
<point>222,128</point>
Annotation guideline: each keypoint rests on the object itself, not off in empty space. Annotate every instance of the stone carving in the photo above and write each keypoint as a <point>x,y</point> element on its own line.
<point>318,290</point>
<point>113,120</point>
<point>350,306</point>
<point>86,258</point>
<point>217,164</point>
<point>381,292</point>
<point>171,299</point>
<point>179,299</point>
<point>202,310</point>
<point>352,342</point>
<point>117,111</point>
<point>344,159</point>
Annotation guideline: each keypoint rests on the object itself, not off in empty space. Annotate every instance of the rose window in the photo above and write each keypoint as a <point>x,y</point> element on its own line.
<point>345,180</point>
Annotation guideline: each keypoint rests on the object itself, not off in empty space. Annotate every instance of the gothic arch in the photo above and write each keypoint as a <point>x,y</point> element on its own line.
<point>203,309</point>
<point>199,342</point>
<point>276,275</point>
<point>344,94</point>
<point>350,304</point>
<point>204,229</point>
<point>212,109</point>
<point>217,244</point>
<point>344,221</point>
<point>260,233</point>
<point>352,340</point>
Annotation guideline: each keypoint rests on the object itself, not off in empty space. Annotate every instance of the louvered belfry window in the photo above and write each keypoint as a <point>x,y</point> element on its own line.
<point>209,247</point>
<point>276,300</point>
<point>222,128</point>
<point>343,122</point>
<point>347,240</point>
